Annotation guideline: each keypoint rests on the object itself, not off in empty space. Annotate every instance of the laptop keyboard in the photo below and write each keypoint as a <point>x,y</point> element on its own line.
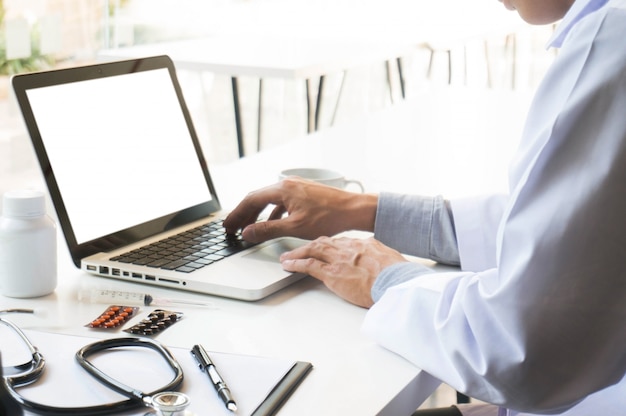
<point>188,251</point>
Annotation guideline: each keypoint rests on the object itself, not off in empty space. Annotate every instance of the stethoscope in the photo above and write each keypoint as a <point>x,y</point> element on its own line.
<point>164,401</point>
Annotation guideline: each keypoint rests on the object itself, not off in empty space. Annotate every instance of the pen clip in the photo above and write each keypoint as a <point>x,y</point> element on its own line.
<point>201,357</point>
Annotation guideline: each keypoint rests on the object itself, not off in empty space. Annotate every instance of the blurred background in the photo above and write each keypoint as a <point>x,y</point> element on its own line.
<point>458,43</point>
<point>446,44</point>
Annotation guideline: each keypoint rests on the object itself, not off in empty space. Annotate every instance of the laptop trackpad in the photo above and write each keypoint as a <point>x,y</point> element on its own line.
<point>272,251</point>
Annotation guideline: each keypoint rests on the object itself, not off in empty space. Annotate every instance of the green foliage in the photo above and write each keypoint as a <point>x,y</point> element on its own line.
<point>35,62</point>
<point>112,6</point>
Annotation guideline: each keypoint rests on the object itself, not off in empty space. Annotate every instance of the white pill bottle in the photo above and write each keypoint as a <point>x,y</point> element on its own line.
<point>28,246</point>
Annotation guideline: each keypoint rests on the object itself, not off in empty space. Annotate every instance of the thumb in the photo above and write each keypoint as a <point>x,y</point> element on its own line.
<point>263,231</point>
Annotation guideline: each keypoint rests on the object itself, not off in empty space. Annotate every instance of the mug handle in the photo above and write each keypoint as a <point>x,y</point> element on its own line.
<point>355,182</point>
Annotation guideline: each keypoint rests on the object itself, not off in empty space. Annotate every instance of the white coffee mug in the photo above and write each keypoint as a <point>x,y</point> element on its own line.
<point>324,176</point>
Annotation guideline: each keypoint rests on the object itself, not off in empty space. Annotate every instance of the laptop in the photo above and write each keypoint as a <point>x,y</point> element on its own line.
<point>130,185</point>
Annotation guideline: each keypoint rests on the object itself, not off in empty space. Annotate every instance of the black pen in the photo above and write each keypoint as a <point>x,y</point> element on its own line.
<point>206,365</point>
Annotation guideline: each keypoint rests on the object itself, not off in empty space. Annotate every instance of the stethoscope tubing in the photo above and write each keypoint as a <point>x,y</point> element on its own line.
<point>37,363</point>
<point>86,351</point>
<point>46,410</point>
<point>136,398</point>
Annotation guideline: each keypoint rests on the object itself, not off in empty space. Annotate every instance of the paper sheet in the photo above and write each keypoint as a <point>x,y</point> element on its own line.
<point>65,383</point>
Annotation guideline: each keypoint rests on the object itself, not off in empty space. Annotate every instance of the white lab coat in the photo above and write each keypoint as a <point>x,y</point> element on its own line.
<point>536,321</point>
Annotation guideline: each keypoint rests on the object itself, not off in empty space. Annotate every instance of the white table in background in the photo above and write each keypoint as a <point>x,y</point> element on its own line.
<point>264,56</point>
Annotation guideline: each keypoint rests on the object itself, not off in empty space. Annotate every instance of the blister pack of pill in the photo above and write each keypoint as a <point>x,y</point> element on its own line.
<point>114,316</point>
<point>156,322</point>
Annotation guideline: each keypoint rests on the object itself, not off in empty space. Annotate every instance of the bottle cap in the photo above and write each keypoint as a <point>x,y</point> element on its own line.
<point>23,204</point>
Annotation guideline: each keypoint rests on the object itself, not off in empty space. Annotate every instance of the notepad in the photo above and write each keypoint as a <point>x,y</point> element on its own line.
<point>259,384</point>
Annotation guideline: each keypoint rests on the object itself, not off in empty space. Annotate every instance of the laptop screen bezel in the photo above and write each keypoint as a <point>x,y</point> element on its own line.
<point>24,82</point>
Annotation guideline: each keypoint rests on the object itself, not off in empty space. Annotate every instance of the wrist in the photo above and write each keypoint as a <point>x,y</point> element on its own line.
<point>360,211</point>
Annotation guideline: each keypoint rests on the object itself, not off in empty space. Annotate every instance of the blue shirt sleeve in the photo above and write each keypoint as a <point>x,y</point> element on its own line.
<point>416,225</point>
<point>396,274</point>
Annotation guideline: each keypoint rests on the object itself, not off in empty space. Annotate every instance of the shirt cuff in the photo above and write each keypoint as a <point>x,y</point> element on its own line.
<point>394,275</point>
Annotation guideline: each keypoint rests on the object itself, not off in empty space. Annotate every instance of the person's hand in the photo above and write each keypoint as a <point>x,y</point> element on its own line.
<point>313,210</point>
<point>348,267</point>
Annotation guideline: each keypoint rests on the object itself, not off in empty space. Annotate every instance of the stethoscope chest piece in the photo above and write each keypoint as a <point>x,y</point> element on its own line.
<point>168,403</point>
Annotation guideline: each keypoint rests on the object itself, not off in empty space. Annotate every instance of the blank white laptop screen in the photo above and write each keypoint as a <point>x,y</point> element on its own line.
<point>141,163</point>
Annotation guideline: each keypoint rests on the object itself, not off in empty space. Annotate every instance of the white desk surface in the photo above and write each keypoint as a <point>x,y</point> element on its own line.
<point>266,55</point>
<point>418,146</point>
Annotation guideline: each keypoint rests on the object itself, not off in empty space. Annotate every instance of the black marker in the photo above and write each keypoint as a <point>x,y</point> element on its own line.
<point>205,364</point>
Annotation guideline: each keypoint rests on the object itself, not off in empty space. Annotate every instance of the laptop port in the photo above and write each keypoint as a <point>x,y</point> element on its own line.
<point>150,277</point>
<point>91,268</point>
<point>103,270</point>
<point>115,272</point>
<point>136,275</point>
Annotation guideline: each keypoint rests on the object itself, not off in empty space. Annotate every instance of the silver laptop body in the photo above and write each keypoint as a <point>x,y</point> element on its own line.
<point>124,168</point>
